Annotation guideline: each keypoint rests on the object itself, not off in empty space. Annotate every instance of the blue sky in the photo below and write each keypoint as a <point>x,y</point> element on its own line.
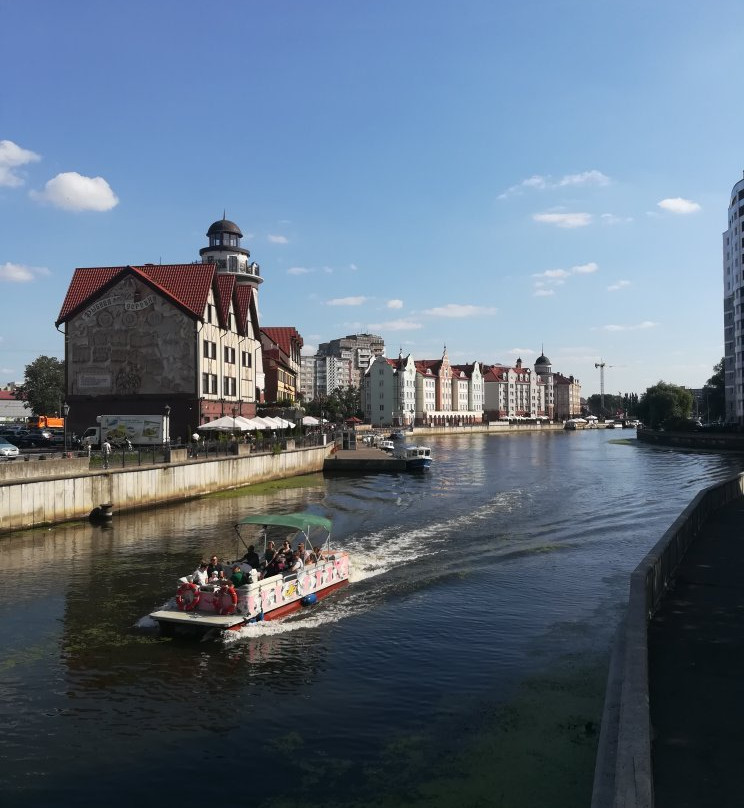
<point>494,177</point>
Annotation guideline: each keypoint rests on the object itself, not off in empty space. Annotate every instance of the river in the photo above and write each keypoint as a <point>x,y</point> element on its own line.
<point>464,665</point>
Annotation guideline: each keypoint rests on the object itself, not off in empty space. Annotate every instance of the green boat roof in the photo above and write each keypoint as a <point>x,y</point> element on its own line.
<point>298,521</point>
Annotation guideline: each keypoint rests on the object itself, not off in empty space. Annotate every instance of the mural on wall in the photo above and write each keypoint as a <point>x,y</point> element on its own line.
<point>130,341</point>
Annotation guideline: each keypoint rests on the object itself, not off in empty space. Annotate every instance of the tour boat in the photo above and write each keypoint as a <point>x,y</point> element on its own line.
<point>415,457</point>
<point>219,608</point>
<point>386,445</point>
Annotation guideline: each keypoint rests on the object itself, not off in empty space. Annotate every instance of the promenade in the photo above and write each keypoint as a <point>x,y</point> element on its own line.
<point>696,672</point>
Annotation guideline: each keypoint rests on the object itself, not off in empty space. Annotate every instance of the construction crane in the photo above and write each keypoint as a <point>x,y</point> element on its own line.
<point>601,366</point>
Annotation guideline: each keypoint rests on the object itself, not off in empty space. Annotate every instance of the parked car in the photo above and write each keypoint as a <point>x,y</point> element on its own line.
<point>36,439</point>
<point>7,449</point>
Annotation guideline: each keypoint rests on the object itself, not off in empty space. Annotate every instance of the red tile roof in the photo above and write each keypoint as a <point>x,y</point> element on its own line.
<point>284,336</point>
<point>187,285</point>
<point>224,287</point>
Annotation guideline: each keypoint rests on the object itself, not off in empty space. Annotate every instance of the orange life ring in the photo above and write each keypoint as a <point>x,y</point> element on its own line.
<point>218,601</point>
<point>183,601</point>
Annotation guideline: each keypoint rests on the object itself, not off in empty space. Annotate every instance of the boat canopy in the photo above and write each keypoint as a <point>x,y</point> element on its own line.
<point>299,521</point>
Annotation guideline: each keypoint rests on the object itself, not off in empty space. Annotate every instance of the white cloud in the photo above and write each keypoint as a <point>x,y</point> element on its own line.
<point>521,351</point>
<point>678,205</point>
<point>552,274</point>
<point>353,267</point>
<point>72,191</point>
<point>17,273</point>
<point>298,271</point>
<point>541,292</point>
<point>592,177</point>
<point>12,156</point>
<point>308,350</point>
<point>278,239</point>
<point>617,286</point>
<point>638,327</point>
<point>540,183</point>
<point>346,301</point>
<point>585,269</point>
<point>459,310</point>
<point>395,325</point>
<point>611,218</point>
<point>565,220</point>
<point>394,304</point>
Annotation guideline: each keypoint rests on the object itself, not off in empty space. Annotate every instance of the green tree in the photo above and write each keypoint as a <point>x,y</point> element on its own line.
<point>714,396</point>
<point>664,402</point>
<point>44,387</point>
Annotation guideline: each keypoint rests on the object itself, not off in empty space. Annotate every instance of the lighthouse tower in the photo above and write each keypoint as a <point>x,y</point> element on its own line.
<point>225,252</point>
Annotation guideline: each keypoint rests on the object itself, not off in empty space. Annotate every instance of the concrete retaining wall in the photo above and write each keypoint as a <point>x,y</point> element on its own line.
<point>68,492</point>
<point>623,774</point>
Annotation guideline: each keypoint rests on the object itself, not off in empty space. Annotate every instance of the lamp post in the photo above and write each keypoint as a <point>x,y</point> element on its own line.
<point>66,411</point>
<point>167,434</point>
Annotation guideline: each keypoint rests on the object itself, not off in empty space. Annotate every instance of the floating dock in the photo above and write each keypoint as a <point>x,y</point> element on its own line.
<point>364,460</point>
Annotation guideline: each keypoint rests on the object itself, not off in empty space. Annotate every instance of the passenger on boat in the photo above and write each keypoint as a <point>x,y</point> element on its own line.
<point>239,578</point>
<point>214,567</point>
<point>218,576</point>
<point>318,553</point>
<point>200,575</point>
<point>295,562</point>
<point>269,553</point>
<point>251,557</point>
<point>286,547</point>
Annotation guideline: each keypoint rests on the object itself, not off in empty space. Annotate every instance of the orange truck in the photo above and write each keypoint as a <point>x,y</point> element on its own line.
<point>45,422</point>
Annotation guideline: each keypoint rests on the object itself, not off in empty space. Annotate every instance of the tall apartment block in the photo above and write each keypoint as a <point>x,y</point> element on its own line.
<point>733,316</point>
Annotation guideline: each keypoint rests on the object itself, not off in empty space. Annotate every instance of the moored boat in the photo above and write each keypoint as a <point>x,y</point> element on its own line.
<point>221,607</point>
<point>415,457</point>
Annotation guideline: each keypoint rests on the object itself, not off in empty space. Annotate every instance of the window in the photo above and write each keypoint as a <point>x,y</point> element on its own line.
<point>213,380</point>
<point>210,349</point>
<point>246,359</point>
<point>205,383</point>
<point>229,387</point>
<point>229,355</point>
<point>210,313</point>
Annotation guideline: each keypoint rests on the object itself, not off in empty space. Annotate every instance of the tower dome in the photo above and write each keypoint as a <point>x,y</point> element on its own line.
<point>542,360</point>
<point>227,254</point>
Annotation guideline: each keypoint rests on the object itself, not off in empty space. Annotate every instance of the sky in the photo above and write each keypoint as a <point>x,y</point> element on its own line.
<point>497,178</point>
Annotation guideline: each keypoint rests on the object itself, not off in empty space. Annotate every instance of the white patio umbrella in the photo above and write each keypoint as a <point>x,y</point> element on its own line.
<point>225,424</point>
<point>309,420</point>
<point>262,423</point>
<point>247,422</point>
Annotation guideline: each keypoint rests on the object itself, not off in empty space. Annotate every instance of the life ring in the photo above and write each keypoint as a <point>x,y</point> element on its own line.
<point>218,601</point>
<point>183,601</point>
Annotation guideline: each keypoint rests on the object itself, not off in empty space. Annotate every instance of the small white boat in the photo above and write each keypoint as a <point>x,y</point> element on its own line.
<point>386,445</point>
<point>221,607</point>
<point>415,457</point>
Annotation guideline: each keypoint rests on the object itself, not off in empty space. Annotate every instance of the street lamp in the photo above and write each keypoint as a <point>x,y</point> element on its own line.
<point>66,411</point>
<point>167,434</point>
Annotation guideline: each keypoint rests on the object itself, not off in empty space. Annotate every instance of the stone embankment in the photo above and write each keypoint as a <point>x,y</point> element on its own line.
<point>59,490</point>
<point>623,774</point>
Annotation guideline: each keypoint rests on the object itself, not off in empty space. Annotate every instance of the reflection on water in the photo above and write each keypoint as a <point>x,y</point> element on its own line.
<point>509,554</point>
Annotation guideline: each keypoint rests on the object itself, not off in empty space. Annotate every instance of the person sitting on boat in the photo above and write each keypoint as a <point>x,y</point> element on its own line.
<point>200,575</point>
<point>269,553</point>
<point>295,562</point>
<point>302,553</point>
<point>251,557</point>
<point>239,578</point>
<point>318,553</point>
<point>286,547</point>
<point>214,567</point>
<point>218,576</point>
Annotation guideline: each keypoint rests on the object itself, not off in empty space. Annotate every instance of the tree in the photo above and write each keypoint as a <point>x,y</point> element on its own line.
<point>714,394</point>
<point>664,402</point>
<point>342,403</point>
<point>44,387</point>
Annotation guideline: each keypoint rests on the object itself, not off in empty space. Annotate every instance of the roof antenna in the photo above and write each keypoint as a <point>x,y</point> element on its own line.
<point>223,215</point>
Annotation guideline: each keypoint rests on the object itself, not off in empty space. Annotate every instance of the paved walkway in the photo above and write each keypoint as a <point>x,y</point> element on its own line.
<point>696,673</point>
